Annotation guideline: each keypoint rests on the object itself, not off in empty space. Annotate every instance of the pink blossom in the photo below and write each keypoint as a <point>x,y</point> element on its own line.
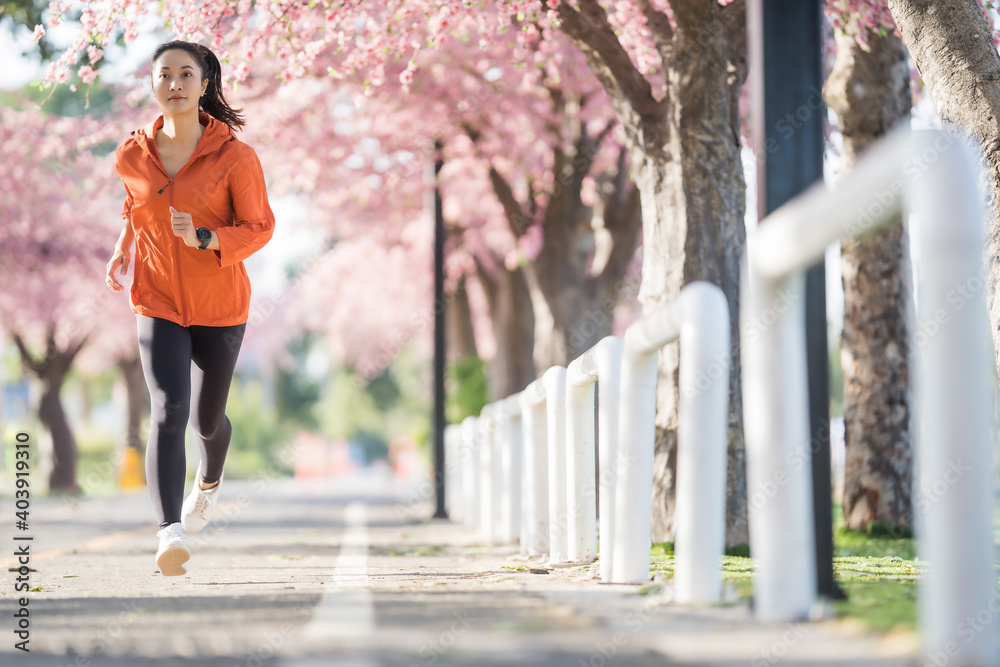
<point>37,35</point>
<point>94,54</point>
<point>87,74</point>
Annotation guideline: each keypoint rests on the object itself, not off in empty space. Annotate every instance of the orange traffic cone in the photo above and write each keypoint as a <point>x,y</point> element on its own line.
<point>131,472</point>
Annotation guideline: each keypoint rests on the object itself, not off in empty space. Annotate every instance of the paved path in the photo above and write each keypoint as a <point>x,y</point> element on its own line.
<point>350,573</point>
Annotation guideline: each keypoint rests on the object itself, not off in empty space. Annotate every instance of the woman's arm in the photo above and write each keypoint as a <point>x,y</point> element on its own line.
<point>121,257</point>
<point>126,237</point>
<point>253,220</point>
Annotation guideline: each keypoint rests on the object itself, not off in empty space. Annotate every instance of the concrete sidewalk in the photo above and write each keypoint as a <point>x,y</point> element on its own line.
<point>349,572</point>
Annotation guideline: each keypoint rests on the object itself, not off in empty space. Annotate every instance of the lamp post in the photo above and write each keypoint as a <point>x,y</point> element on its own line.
<point>434,172</point>
<point>786,51</point>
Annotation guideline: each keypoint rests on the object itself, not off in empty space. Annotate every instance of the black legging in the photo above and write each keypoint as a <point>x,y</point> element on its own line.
<point>180,362</point>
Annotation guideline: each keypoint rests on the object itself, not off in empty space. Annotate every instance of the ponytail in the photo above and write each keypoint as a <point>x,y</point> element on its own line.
<point>213,102</point>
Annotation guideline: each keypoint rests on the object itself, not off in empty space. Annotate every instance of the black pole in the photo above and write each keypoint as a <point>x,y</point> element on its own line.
<point>439,340</point>
<point>791,45</point>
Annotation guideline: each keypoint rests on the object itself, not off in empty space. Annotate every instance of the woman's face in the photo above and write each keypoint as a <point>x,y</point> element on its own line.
<point>177,82</point>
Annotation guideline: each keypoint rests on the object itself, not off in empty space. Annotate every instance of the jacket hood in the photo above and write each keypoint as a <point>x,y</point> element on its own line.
<point>216,134</point>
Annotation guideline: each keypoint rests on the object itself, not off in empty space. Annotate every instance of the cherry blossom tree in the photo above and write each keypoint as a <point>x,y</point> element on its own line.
<point>542,214</point>
<point>57,196</point>
<point>672,73</point>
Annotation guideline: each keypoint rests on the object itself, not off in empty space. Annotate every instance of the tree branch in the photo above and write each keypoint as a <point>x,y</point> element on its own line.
<point>692,16</point>
<point>589,29</point>
<point>599,139</point>
<point>624,226</point>
<point>659,26</point>
<point>74,349</point>
<point>487,280</point>
<point>26,358</point>
<point>518,221</point>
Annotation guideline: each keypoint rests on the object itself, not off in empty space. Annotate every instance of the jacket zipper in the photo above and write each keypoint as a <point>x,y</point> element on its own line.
<point>177,255</point>
<point>177,241</point>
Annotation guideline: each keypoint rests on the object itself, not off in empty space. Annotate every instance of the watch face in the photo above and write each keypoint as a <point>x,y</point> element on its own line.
<point>204,234</point>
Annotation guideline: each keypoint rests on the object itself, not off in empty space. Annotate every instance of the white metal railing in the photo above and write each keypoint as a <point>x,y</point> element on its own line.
<point>950,368</point>
<point>509,458</point>
<point>700,318</point>
<point>554,381</point>
<point>601,364</point>
<point>535,474</point>
<point>468,461</point>
<point>555,463</point>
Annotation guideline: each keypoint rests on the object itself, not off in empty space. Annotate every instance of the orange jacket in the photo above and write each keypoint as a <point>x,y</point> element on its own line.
<point>222,187</point>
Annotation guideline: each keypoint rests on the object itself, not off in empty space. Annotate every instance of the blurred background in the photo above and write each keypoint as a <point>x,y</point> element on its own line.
<point>337,359</point>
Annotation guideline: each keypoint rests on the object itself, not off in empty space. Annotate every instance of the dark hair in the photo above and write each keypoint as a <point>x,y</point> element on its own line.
<point>213,102</point>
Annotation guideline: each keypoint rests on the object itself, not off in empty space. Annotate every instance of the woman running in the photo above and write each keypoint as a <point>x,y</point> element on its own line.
<point>196,207</point>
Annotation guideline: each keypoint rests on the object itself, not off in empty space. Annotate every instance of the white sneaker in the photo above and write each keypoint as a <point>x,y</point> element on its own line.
<point>198,506</point>
<point>173,551</point>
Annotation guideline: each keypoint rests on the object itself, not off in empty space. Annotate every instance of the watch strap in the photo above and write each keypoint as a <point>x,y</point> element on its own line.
<point>205,238</point>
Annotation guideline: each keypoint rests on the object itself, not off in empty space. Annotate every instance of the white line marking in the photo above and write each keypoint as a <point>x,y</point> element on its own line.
<point>346,608</point>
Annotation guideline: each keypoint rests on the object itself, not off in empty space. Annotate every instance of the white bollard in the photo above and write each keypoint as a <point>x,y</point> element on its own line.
<point>485,426</point>
<point>501,477</point>
<point>534,431</point>
<point>510,465</point>
<point>609,361</point>
<point>498,485</point>
<point>634,486</point>
<point>581,466</point>
<point>697,318</point>
<point>452,472</point>
<point>959,601</point>
<point>470,474</point>
<point>950,365</point>
<point>601,363</point>
<point>776,427</point>
<point>702,442</point>
<point>775,404</point>
<point>555,405</point>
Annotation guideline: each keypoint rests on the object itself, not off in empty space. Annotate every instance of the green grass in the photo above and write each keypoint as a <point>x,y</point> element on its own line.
<point>880,604</point>
<point>881,592</point>
<point>876,569</point>
<point>855,543</point>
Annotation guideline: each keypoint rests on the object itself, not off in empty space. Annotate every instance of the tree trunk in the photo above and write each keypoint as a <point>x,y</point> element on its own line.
<point>50,411</point>
<point>574,288</point>
<point>691,179</point>
<point>685,152</point>
<point>952,47</point>
<point>870,92</point>
<point>512,368</point>
<point>52,370</point>
<point>461,335</point>
<point>574,302</point>
<point>138,399</point>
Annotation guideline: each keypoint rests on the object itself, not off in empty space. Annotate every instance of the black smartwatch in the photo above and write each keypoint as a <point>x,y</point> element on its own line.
<point>205,236</point>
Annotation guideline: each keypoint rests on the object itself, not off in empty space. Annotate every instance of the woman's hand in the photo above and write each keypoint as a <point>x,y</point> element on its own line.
<point>121,258</point>
<point>184,227</point>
